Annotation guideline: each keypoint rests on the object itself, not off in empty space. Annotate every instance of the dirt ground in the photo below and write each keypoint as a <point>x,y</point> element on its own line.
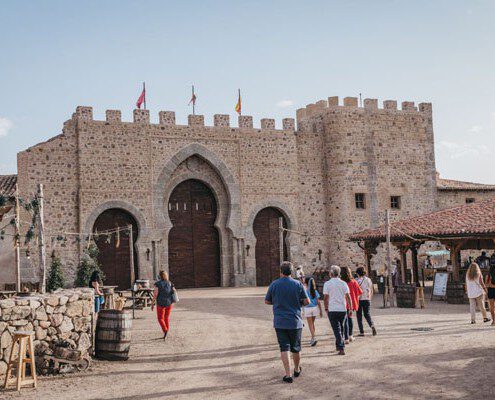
<point>222,346</point>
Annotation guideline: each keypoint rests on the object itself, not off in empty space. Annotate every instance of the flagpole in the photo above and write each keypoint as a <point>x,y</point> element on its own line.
<point>194,101</point>
<point>144,90</point>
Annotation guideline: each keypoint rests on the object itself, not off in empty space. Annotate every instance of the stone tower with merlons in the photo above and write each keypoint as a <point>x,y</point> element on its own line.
<point>371,159</point>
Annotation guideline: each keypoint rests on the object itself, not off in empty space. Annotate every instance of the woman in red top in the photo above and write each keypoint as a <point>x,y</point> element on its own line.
<point>355,292</point>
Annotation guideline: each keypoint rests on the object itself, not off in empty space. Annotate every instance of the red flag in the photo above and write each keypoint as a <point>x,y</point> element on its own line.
<point>142,98</point>
<point>193,99</point>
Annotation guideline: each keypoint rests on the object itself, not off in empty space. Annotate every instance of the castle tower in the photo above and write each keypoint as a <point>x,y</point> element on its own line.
<point>372,159</point>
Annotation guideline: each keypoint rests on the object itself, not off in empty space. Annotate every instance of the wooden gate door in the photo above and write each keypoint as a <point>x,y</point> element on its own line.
<point>267,250</point>
<point>115,251</point>
<point>193,241</point>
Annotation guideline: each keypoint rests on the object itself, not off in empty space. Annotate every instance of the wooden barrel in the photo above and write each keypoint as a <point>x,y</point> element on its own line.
<point>113,335</point>
<point>406,296</point>
<point>456,293</point>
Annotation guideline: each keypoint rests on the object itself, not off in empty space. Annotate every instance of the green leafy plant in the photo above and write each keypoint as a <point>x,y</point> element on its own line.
<point>56,277</point>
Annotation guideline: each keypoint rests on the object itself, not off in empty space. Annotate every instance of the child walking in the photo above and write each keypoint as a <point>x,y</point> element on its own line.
<point>313,309</point>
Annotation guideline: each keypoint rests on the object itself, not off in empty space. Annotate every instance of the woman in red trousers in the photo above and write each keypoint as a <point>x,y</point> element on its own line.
<point>355,291</point>
<point>163,293</point>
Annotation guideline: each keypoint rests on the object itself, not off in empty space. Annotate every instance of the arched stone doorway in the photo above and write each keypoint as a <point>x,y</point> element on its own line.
<point>193,241</point>
<point>267,252</point>
<point>115,251</point>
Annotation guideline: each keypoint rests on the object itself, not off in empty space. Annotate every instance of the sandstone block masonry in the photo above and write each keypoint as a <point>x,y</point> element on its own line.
<point>66,314</point>
<point>334,173</point>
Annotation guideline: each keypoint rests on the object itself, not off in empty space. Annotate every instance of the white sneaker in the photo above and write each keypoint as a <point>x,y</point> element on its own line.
<point>351,338</point>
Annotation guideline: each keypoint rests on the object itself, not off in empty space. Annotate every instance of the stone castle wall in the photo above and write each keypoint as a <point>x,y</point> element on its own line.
<point>310,174</point>
<point>450,198</point>
<point>378,152</point>
<point>66,315</point>
<point>96,165</point>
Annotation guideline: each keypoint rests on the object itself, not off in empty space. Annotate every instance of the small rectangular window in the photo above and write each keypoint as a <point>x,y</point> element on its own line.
<point>360,201</point>
<point>469,200</point>
<point>395,202</point>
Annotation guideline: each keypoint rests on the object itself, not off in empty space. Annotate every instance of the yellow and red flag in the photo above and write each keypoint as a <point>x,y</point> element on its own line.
<point>142,98</point>
<point>238,106</point>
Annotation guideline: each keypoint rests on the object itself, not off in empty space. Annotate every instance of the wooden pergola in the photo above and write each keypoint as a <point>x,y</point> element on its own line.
<point>465,227</point>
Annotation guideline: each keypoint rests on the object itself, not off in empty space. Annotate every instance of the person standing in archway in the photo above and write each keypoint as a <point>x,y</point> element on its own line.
<point>287,295</point>
<point>163,297</point>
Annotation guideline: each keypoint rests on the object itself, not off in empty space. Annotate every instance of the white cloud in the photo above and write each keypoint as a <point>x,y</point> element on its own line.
<point>475,129</point>
<point>461,150</point>
<point>5,126</point>
<point>285,103</point>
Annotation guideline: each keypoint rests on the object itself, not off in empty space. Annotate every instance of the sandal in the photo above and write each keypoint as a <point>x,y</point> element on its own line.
<point>297,373</point>
<point>288,379</point>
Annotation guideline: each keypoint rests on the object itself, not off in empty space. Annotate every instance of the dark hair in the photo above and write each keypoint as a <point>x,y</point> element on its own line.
<point>361,271</point>
<point>346,274</point>
<point>310,282</point>
<point>95,276</point>
<point>286,268</point>
<point>491,272</point>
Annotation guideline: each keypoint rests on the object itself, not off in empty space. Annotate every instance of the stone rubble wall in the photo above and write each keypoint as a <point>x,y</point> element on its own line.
<point>65,314</point>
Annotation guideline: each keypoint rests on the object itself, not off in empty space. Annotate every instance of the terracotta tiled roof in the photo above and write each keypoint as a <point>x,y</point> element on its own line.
<point>449,184</point>
<point>7,184</point>
<point>475,219</point>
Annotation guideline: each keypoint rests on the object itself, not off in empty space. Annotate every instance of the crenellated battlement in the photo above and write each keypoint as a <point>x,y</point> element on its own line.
<point>167,118</point>
<point>352,103</point>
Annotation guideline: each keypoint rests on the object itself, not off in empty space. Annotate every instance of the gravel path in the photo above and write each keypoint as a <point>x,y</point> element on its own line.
<point>222,346</point>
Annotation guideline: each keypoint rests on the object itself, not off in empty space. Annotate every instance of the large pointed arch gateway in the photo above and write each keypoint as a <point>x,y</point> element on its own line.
<point>193,241</point>
<point>267,252</point>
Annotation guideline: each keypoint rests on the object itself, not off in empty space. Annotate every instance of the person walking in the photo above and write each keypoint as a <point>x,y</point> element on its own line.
<point>287,296</point>
<point>335,296</point>
<point>300,274</point>
<point>490,284</point>
<point>476,290</point>
<point>313,309</point>
<point>163,298</point>
<point>354,291</point>
<point>366,286</point>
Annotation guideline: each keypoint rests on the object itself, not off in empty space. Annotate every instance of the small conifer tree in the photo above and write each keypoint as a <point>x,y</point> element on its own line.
<point>88,265</point>
<point>56,277</point>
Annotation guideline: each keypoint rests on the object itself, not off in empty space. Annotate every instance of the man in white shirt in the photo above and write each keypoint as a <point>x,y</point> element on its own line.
<point>336,294</point>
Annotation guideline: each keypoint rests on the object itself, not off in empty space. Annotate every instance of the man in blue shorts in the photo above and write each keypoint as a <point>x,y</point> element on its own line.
<point>288,297</point>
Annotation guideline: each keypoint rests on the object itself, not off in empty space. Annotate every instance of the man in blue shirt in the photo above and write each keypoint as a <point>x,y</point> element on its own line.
<point>288,297</point>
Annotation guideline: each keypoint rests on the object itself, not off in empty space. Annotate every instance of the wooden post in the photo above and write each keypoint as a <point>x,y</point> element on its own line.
<point>131,251</point>
<point>414,251</point>
<point>368,256</point>
<point>17,240</point>
<point>403,263</point>
<point>41,238</point>
<point>388,290</point>
<point>281,239</point>
<point>454,259</point>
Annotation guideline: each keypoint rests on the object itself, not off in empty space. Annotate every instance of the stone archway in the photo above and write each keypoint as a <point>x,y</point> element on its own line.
<point>198,168</point>
<point>193,241</point>
<point>269,252</point>
<point>142,231</point>
<point>291,242</point>
<point>119,262</point>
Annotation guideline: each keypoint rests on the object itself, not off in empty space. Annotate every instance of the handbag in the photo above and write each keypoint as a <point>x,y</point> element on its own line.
<point>175,295</point>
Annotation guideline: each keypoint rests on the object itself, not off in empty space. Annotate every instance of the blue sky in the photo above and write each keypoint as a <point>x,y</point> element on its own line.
<point>55,55</point>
